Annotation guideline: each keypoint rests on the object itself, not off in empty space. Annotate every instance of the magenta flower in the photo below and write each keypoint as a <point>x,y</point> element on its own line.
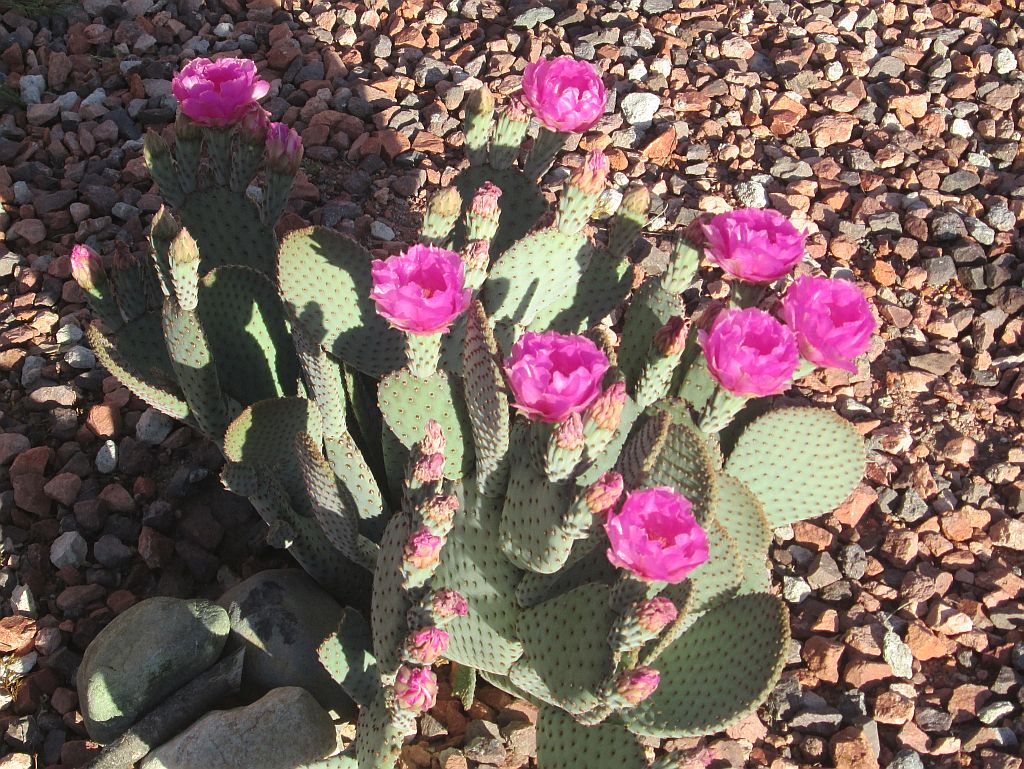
<point>656,614</point>
<point>426,645</point>
<point>753,244</point>
<point>554,375</point>
<point>831,319</point>
<point>422,290</point>
<point>565,94</point>
<point>447,603</point>
<point>284,149</point>
<point>749,352</point>
<point>423,549</point>
<point>638,684</point>
<point>87,268</point>
<point>216,94</point>
<point>415,688</point>
<point>655,536</point>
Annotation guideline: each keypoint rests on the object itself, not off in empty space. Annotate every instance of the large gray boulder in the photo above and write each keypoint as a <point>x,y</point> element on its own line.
<point>283,730</point>
<point>282,617</point>
<point>144,655</point>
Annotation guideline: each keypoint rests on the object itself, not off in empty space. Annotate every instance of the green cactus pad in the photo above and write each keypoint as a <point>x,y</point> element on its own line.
<point>325,277</point>
<point>378,738</point>
<point>522,204</point>
<point>486,402</point>
<point>650,309</point>
<point>473,563</point>
<point>140,362</point>
<point>537,271</point>
<point>607,459</point>
<point>464,684</point>
<point>715,580</point>
<point>717,671</point>
<point>587,564</point>
<point>565,646</point>
<point>698,386</point>
<point>228,229</point>
<point>686,464</point>
<point>263,435</point>
<point>358,489</point>
<point>602,288</point>
<point>563,743</point>
<point>799,462</point>
<point>195,369</point>
<point>407,402</point>
<point>641,451</point>
<point>348,657</point>
<point>741,515</point>
<point>240,310</point>
<point>390,604</point>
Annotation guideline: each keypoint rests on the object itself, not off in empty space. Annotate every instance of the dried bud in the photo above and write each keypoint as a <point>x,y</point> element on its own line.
<point>593,174</point>
<point>426,645</point>
<point>568,434</point>
<point>445,203</point>
<point>606,411</point>
<point>485,202</point>
<point>284,149</point>
<point>516,110</point>
<point>638,684</point>
<point>636,200</point>
<point>440,510</point>
<point>433,438</point>
<point>415,688</point>
<point>480,101</point>
<point>656,614</point>
<point>186,129</point>
<point>670,339</point>
<point>448,603</point>
<point>477,255</point>
<point>423,549</point>
<point>254,125</point>
<point>87,268</point>
<point>429,468</point>
<point>603,493</point>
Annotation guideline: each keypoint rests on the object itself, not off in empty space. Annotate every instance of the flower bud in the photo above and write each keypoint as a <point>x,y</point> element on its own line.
<point>485,201</point>
<point>670,339</point>
<point>638,684</point>
<point>568,434</point>
<point>423,549</point>
<point>592,176</point>
<point>415,688</point>
<point>254,125</point>
<point>284,149</point>
<point>606,411</point>
<point>447,603</point>
<point>426,645</point>
<point>516,110</point>
<point>445,203</point>
<point>480,101</point>
<point>655,614</point>
<point>603,493</point>
<point>87,268</point>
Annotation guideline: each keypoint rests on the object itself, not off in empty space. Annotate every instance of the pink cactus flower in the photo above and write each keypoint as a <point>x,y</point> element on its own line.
<point>603,493</point>
<point>753,244</point>
<point>422,290</point>
<point>87,267</point>
<point>655,536</point>
<point>607,409</point>
<point>638,684</point>
<point>554,375</point>
<point>426,645</point>
<point>447,603</point>
<point>565,94</point>
<point>423,549</point>
<point>216,94</point>
<point>415,688</point>
<point>749,352</point>
<point>284,149</point>
<point>831,319</point>
<point>655,614</point>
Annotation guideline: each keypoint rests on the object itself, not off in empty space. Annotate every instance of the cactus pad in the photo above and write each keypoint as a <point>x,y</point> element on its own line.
<point>563,743</point>
<point>830,462</point>
<point>189,351</point>
<point>325,277</point>
<point>686,464</point>
<point>649,310</point>
<point>472,563</point>
<point>228,229</point>
<point>486,402</point>
<point>717,671</point>
<point>391,603</point>
<point>603,287</point>
<point>348,657</point>
<point>741,515</point>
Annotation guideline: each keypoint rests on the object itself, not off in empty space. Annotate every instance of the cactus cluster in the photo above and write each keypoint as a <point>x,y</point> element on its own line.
<point>396,464</point>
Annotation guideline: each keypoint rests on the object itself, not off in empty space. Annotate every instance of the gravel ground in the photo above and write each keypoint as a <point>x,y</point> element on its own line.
<point>891,130</point>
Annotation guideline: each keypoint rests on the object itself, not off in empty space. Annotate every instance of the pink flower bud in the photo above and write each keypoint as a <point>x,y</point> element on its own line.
<point>655,536</point>
<point>749,352</point>
<point>603,493</point>
<point>253,126</point>
<point>565,94</point>
<point>485,202</point>
<point>592,176</point>
<point>554,375</point>
<point>831,319</point>
<point>568,434</point>
<point>433,438</point>
<point>422,290</point>
<point>670,339</point>
<point>655,614</point>
<point>87,268</point>
<point>448,603</point>
<point>477,255</point>
<point>428,468</point>
<point>638,684</point>
<point>440,510</point>
<point>753,244</point>
<point>216,94</point>
<point>423,549</point>
<point>607,409</point>
<point>284,149</point>
<point>415,688</point>
<point>426,645</point>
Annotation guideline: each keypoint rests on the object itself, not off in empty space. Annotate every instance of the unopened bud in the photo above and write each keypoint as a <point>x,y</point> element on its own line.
<point>423,549</point>
<point>568,435</point>
<point>485,201</point>
<point>636,200</point>
<point>87,268</point>
<point>606,411</point>
<point>165,226</point>
<point>449,603</point>
<point>638,684</point>
<point>655,614</point>
<point>433,438</point>
<point>603,493</point>
<point>426,645</point>
<point>253,126</point>
<point>480,101</point>
<point>415,688</point>
<point>592,176</point>
<point>284,149</point>
<point>670,339</point>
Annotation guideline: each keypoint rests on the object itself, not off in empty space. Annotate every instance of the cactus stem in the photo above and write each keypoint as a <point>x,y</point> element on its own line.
<point>424,352</point>
<point>720,410</point>
<point>218,141</point>
<point>547,144</point>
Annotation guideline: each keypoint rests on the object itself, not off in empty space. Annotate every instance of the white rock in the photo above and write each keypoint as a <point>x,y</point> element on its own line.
<point>639,108</point>
<point>81,358</point>
<point>1004,62</point>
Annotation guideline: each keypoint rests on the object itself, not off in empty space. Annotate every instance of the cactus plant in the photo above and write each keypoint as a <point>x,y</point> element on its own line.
<point>562,521</point>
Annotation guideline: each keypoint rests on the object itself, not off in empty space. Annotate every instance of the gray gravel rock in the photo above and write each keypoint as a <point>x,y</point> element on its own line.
<point>640,107</point>
<point>69,550</point>
<point>906,759</point>
<point>153,427</point>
